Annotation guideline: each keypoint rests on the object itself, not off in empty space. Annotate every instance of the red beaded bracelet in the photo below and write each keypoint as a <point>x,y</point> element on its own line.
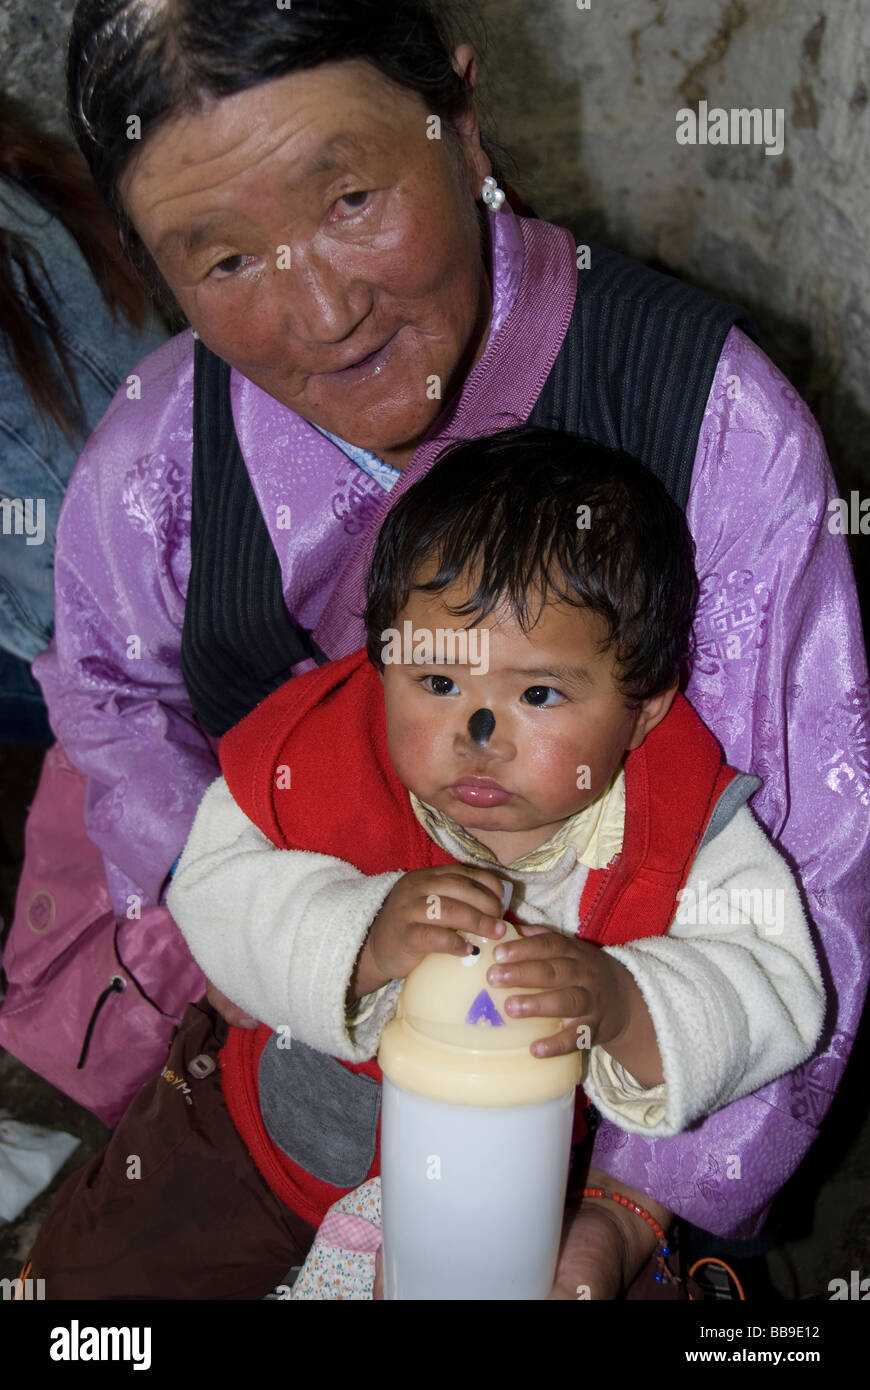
<point>663,1275</point>
<point>626,1202</point>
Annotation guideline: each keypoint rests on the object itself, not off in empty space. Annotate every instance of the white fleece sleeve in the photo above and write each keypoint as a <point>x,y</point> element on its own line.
<point>279,931</point>
<point>734,989</point>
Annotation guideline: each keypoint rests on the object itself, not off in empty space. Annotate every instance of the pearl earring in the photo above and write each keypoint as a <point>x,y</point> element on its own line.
<point>492,195</point>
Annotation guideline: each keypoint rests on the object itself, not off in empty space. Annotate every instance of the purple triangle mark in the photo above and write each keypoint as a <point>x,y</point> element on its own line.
<point>484,1011</point>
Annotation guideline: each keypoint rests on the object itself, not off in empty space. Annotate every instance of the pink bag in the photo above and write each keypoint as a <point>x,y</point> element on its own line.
<point>92,1000</point>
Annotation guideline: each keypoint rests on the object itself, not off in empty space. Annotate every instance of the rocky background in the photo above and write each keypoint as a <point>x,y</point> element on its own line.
<point>584,100</point>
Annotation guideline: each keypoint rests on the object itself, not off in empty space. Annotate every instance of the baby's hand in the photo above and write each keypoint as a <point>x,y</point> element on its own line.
<point>581,985</point>
<point>424,912</point>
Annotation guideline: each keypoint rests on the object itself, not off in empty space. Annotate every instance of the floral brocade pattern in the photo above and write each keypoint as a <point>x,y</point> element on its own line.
<point>354,503</point>
<point>844,747</point>
<point>733,624</point>
<point>156,496</point>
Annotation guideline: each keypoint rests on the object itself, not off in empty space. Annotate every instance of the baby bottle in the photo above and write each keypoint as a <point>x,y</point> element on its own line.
<point>475,1138</point>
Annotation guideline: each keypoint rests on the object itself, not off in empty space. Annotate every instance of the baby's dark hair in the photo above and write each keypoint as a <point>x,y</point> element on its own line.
<point>508,512</point>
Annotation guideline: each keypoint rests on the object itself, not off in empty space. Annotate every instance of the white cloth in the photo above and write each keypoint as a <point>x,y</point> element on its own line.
<point>30,1156</point>
<point>734,1004</point>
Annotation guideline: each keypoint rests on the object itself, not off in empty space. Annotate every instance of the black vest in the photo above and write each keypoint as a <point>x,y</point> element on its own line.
<point>634,373</point>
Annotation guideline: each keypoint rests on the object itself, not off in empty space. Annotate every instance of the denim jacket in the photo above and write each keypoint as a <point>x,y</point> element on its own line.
<point>35,459</point>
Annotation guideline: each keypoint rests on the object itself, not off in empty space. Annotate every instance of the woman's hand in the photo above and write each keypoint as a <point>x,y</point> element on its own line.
<point>588,990</point>
<point>604,1247</point>
<point>424,913</point>
<point>230,1012</point>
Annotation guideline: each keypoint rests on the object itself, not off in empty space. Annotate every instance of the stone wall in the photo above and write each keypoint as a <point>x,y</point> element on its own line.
<point>585,101</point>
<point>33,35</point>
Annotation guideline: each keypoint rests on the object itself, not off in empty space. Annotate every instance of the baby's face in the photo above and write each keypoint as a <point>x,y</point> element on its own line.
<point>561,724</point>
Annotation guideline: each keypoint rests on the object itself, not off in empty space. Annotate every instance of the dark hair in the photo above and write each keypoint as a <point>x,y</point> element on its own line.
<point>51,172</point>
<point>505,512</point>
<point>159,60</point>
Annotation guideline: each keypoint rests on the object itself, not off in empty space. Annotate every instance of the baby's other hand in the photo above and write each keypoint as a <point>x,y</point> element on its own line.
<point>579,983</point>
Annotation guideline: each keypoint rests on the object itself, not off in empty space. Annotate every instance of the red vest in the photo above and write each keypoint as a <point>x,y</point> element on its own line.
<point>327,730</point>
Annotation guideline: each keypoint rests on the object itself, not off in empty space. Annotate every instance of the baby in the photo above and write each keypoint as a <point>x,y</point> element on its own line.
<point>515,717</point>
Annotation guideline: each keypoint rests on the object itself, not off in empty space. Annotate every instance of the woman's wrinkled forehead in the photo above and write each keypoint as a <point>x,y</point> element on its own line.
<point>311,124</point>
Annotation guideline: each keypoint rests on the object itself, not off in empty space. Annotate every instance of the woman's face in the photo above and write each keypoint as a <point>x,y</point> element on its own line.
<point>311,222</point>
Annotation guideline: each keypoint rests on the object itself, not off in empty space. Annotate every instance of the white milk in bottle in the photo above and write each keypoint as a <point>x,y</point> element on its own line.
<point>475,1138</point>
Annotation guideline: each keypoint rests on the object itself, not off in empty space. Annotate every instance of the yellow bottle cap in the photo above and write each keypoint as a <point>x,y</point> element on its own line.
<point>451,1039</point>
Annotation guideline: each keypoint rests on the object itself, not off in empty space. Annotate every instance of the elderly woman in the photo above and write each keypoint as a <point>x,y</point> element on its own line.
<point>310,186</point>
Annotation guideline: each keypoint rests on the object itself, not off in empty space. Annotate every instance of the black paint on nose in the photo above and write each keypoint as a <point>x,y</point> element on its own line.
<point>481,725</point>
